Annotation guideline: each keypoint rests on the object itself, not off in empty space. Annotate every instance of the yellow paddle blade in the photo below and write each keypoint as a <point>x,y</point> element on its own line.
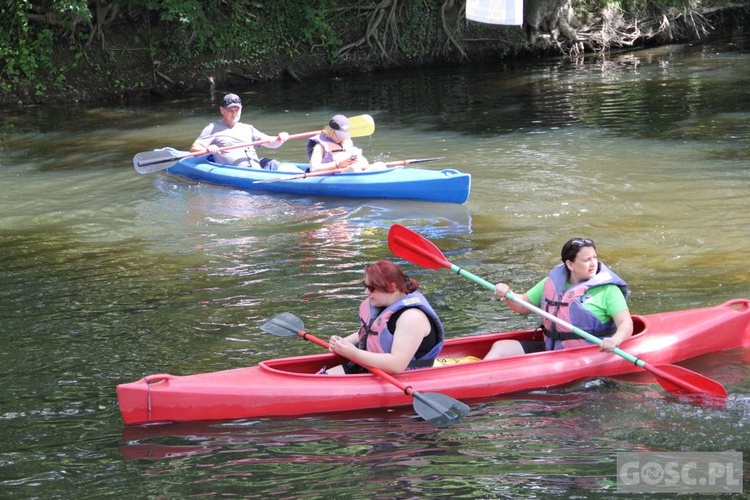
<point>361,126</point>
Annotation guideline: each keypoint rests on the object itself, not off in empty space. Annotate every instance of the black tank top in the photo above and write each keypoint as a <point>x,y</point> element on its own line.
<point>427,343</point>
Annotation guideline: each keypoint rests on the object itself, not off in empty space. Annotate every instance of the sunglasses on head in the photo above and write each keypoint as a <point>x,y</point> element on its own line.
<point>581,242</point>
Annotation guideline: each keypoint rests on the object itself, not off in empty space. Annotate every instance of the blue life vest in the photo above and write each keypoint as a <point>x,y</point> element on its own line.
<point>374,335</point>
<point>568,305</point>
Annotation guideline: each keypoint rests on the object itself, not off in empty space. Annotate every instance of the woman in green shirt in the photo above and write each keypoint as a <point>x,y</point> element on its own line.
<point>581,291</point>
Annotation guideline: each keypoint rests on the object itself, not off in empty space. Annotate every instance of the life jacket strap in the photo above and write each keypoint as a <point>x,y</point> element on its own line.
<point>421,363</point>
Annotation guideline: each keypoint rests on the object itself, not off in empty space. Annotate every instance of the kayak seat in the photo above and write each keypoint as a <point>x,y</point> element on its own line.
<point>455,361</point>
<point>471,349</point>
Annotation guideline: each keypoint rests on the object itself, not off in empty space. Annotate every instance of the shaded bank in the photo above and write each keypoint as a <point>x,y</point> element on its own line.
<point>117,55</point>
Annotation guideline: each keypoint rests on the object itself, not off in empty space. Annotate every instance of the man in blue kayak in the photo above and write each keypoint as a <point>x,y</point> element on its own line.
<point>229,131</point>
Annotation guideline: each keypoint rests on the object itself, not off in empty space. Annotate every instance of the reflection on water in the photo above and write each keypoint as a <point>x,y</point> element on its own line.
<point>109,276</point>
<point>551,442</point>
<point>223,206</point>
<point>393,452</point>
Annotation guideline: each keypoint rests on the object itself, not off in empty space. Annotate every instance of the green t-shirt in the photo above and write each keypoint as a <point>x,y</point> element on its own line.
<point>603,301</point>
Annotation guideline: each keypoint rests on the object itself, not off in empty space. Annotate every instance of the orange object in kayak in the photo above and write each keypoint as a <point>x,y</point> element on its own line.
<point>292,387</point>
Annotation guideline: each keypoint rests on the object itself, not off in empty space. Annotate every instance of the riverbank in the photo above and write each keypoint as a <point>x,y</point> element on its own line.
<point>118,69</point>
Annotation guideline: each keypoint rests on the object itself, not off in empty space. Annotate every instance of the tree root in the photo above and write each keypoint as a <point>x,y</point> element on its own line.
<point>383,28</point>
<point>448,4</point>
<point>660,25</point>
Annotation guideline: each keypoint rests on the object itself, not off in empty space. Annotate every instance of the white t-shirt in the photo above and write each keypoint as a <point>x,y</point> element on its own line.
<point>222,135</point>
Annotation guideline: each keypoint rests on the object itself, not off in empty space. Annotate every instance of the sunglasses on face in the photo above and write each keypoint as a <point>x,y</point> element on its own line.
<point>369,288</point>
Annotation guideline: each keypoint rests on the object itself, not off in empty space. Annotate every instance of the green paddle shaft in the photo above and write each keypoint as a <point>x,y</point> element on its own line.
<point>413,247</point>
<point>542,312</point>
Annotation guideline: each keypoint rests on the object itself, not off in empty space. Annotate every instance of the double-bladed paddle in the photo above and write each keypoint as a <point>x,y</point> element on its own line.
<point>438,409</point>
<point>409,245</point>
<point>148,162</point>
<point>389,164</point>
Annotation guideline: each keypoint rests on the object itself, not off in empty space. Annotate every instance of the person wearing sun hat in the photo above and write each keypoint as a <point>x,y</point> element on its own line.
<point>229,131</point>
<point>333,149</point>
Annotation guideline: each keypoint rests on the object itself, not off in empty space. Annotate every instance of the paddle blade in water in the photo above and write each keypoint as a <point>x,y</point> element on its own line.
<point>684,382</point>
<point>411,246</point>
<point>283,325</point>
<point>438,409</point>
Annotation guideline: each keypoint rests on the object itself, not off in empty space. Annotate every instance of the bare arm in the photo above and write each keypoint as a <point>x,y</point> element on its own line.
<point>411,328</point>
<point>501,289</point>
<point>317,164</point>
<point>624,323</point>
<point>276,143</point>
<point>316,160</point>
<point>197,147</point>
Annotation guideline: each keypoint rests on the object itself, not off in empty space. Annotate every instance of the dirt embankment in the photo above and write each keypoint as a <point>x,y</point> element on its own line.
<point>115,69</point>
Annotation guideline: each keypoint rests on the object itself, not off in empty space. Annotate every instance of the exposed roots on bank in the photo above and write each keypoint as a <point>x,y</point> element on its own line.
<point>395,29</point>
<point>658,25</point>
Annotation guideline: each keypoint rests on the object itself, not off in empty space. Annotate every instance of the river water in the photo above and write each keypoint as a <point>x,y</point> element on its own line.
<point>108,275</point>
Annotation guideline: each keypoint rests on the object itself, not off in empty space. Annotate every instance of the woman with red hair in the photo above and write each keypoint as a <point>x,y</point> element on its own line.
<point>398,330</point>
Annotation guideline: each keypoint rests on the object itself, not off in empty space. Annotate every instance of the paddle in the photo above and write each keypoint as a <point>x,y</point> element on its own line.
<point>148,162</point>
<point>411,246</point>
<point>438,409</point>
<point>335,170</point>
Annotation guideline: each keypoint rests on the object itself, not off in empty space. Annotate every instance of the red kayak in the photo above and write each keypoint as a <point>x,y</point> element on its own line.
<point>292,387</point>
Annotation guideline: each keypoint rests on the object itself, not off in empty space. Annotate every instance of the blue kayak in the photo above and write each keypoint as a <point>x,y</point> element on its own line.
<point>440,186</point>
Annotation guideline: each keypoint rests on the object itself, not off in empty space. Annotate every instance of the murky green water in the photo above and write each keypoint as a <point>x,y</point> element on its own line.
<point>109,276</point>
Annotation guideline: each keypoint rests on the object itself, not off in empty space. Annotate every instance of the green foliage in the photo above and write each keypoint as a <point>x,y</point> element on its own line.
<point>240,31</point>
<point>225,32</point>
<point>23,51</point>
<point>414,37</point>
<point>72,12</point>
<point>218,33</point>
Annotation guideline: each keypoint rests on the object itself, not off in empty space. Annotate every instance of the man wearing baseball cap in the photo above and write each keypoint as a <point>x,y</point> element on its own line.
<point>230,133</point>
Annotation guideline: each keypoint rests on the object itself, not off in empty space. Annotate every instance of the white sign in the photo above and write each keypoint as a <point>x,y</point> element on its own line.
<point>495,11</point>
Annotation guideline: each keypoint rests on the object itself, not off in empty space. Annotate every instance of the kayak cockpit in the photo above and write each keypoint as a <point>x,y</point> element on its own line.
<point>456,351</point>
<point>303,365</point>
